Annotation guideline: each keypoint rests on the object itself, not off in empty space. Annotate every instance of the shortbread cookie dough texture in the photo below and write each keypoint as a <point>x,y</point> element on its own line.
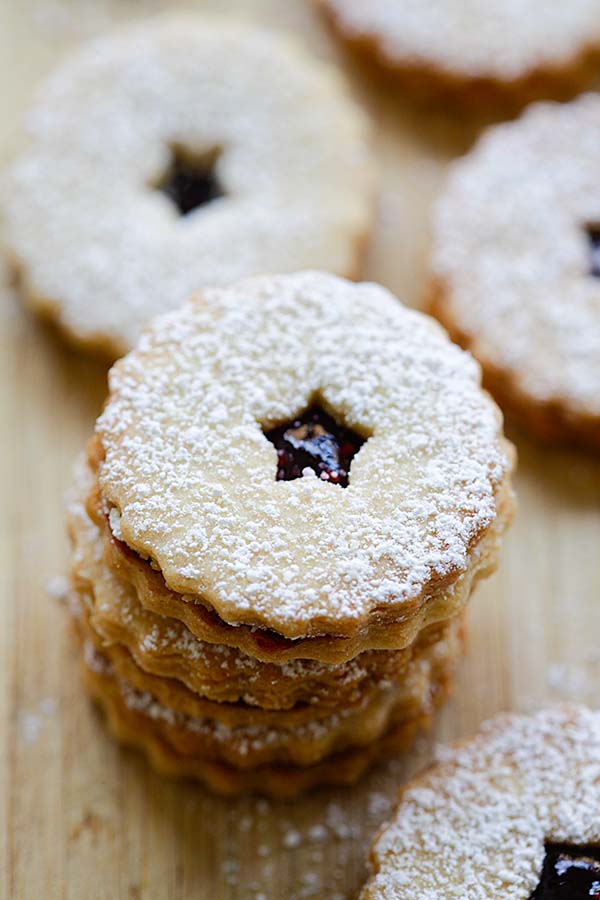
<point>475,52</point>
<point>513,812</point>
<point>294,487</point>
<point>515,266</point>
<point>178,154</point>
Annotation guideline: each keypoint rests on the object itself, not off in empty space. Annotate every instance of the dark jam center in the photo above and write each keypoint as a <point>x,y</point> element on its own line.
<point>315,441</point>
<point>190,185</point>
<point>569,873</point>
<point>593,233</point>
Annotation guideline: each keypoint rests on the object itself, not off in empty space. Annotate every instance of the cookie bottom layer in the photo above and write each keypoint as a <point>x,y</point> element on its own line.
<point>134,729</point>
<point>247,737</point>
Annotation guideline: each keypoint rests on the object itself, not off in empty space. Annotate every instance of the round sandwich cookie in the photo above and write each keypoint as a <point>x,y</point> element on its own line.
<point>513,812</point>
<point>301,456</point>
<point>176,154</point>
<point>515,266</point>
<point>293,488</point>
<point>474,52</point>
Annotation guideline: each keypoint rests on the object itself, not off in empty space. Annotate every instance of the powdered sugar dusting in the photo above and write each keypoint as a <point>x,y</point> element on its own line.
<point>511,248</point>
<point>474,37</point>
<point>57,588</point>
<point>193,476</point>
<point>475,827</point>
<point>84,221</point>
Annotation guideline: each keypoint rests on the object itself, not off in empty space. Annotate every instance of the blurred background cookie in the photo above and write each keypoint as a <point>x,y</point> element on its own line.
<point>180,153</point>
<point>473,52</point>
<point>515,266</point>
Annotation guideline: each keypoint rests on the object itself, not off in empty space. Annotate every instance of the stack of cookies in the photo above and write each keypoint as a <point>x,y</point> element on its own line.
<point>292,490</point>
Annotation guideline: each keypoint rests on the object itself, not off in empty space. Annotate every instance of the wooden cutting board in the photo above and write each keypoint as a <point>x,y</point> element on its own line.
<point>84,820</point>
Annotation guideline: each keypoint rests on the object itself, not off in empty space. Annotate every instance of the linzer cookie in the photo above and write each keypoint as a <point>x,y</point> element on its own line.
<point>176,154</point>
<point>293,487</point>
<point>513,813</point>
<point>474,52</point>
<point>188,473</point>
<point>515,271</point>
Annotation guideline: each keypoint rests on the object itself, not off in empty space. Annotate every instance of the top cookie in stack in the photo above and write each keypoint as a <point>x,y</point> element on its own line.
<point>294,476</point>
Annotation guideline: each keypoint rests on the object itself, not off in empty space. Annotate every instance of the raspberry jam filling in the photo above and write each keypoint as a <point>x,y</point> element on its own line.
<point>190,185</point>
<point>314,441</point>
<point>569,873</point>
<point>593,233</point>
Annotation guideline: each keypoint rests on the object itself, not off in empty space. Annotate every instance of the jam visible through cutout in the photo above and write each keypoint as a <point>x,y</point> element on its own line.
<point>569,873</point>
<point>191,183</point>
<point>593,233</point>
<point>316,441</point>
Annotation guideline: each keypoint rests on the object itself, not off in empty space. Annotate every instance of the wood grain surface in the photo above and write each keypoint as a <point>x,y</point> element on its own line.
<point>80,818</point>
